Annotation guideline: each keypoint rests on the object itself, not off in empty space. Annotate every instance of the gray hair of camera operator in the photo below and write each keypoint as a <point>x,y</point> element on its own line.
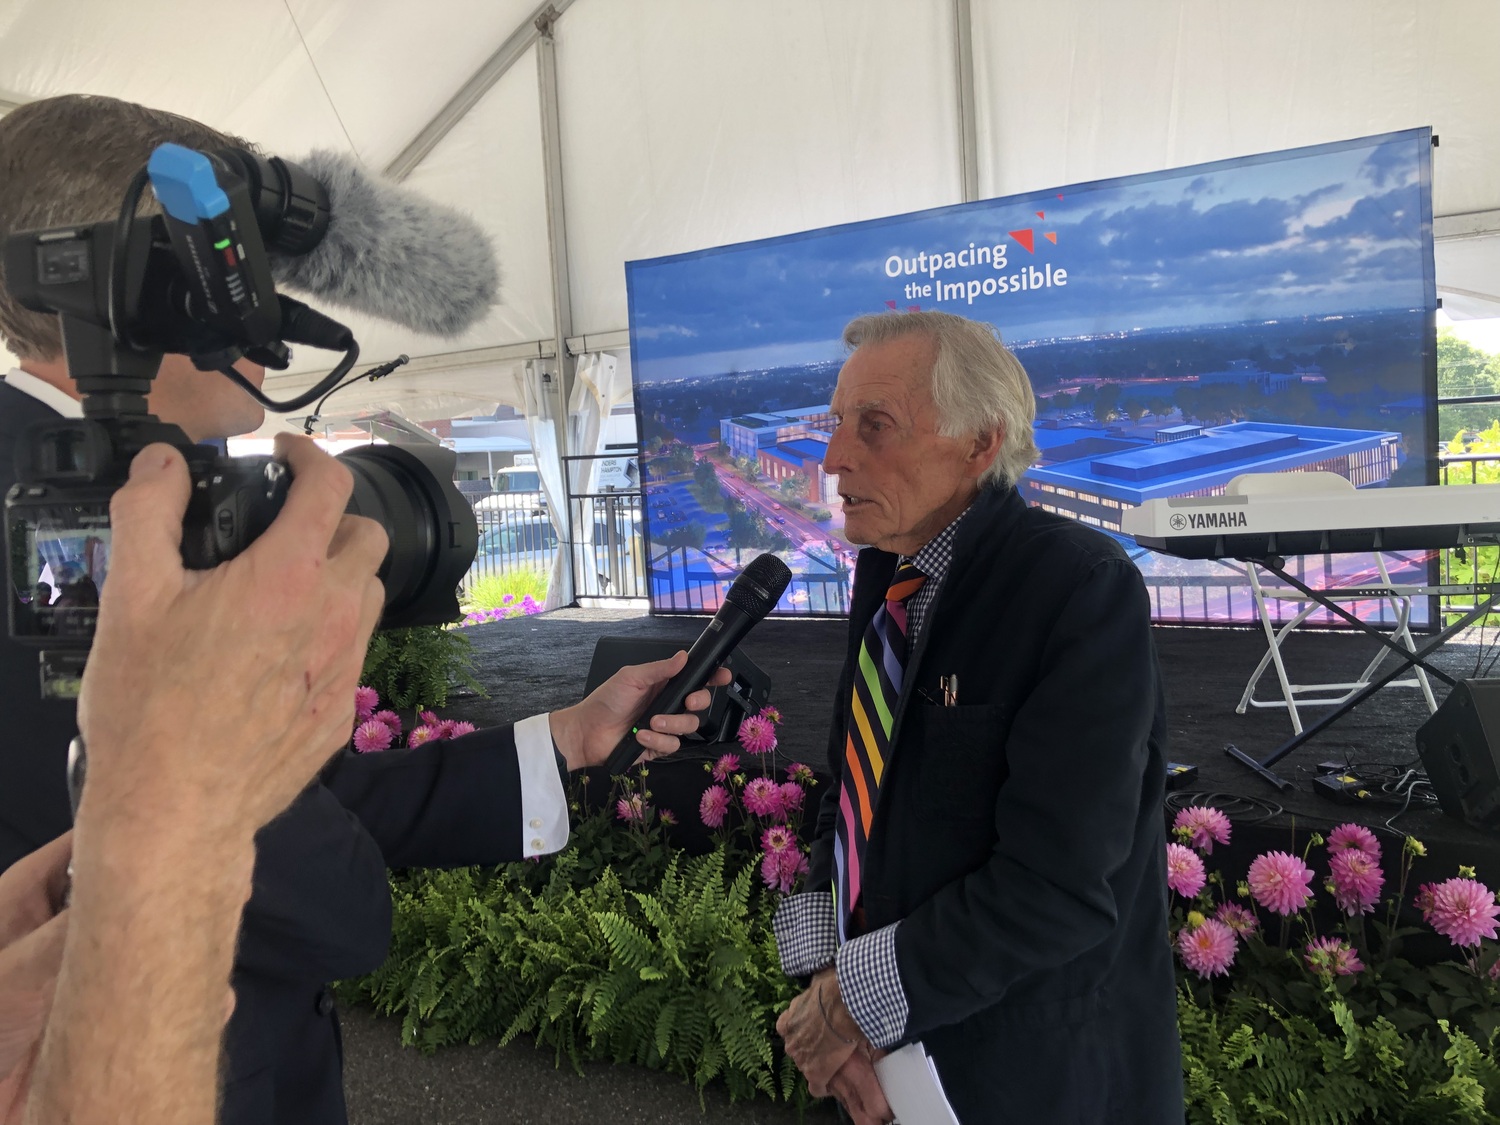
<point>68,160</point>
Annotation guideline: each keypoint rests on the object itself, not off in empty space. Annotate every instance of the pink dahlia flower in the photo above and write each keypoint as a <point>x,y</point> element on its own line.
<point>714,806</point>
<point>459,729</point>
<point>770,713</point>
<point>778,838</point>
<point>791,797</point>
<point>631,809</point>
<point>1354,837</point>
<point>390,719</point>
<point>1203,827</point>
<point>1185,873</point>
<point>1243,922</point>
<point>366,699</point>
<point>667,817</point>
<point>779,870</point>
<point>1279,882</point>
<point>799,772</point>
<point>418,736</point>
<point>1357,880</point>
<point>1463,911</point>
<point>1332,956</point>
<point>727,765</point>
<point>758,734</point>
<point>372,735</point>
<point>763,797</point>
<point>1209,949</point>
<point>429,718</point>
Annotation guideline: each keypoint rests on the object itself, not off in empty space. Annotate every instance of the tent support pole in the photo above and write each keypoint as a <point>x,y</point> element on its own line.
<point>968,126</point>
<point>506,56</point>
<point>562,293</point>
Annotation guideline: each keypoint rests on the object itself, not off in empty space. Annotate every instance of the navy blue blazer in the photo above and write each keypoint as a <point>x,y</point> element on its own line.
<point>320,909</point>
<point>1018,836</point>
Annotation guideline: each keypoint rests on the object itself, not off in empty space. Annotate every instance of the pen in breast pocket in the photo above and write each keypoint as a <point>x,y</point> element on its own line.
<point>949,684</point>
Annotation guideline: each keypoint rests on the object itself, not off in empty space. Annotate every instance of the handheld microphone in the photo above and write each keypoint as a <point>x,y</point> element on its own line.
<point>387,252</point>
<point>758,588</point>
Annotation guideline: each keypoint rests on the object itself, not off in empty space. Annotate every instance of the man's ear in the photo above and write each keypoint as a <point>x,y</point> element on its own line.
<point>986,447</point>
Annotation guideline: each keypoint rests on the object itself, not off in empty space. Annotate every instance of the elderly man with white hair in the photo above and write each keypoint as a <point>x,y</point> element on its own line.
<point>989,869</point>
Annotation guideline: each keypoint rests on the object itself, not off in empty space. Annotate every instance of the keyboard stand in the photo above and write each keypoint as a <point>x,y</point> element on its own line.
<point>1296,696</point>
<point>1404,658</point>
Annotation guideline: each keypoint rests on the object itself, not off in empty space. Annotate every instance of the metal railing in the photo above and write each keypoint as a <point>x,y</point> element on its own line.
<point>607,547</point>
<point>515,534</point>
<point>1469,560</point>
<point>688,580</point>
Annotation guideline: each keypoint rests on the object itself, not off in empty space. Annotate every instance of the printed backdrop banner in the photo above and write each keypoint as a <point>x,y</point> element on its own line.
<point>1269,314</point>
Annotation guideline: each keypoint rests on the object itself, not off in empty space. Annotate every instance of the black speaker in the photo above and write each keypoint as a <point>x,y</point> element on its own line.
<point>746,694</point>
<point>1458,747</point>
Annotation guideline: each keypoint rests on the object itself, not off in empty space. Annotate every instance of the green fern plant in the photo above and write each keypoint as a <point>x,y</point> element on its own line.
<point>1246,1062</point>
<point>691,987</point>
<point>681,976</point>
<point>418,667</point>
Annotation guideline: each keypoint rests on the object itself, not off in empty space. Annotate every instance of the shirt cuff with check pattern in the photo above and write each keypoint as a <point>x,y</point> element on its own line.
<point>807,936</point>
<point>870,983</point>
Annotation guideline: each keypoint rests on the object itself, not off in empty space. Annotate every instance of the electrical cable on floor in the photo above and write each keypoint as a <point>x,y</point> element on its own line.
<point>1236,806</point>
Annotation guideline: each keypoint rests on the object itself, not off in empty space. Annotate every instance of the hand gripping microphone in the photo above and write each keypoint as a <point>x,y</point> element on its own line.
<point>758,588</point>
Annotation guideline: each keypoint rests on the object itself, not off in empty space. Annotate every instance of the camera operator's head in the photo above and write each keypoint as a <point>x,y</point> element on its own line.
<point>68,160</point>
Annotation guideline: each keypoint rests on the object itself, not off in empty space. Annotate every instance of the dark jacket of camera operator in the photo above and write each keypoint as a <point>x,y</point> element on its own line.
<point>320,909</point>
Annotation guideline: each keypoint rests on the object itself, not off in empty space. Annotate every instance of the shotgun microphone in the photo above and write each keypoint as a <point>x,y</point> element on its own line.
<point>758,588</point>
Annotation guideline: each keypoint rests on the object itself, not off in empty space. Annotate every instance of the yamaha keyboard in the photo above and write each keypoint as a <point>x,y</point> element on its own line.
<point>1269,514</point>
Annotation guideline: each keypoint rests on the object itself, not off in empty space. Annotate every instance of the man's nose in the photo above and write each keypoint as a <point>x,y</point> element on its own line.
<point>836,460</point>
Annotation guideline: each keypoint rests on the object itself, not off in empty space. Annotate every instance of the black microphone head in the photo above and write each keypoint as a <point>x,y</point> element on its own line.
<point>759,586</point>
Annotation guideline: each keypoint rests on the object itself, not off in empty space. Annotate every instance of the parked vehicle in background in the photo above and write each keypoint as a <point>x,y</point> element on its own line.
<point>516,489</point>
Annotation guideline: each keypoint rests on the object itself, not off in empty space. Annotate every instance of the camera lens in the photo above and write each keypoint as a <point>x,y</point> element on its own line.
<point>409,491</point>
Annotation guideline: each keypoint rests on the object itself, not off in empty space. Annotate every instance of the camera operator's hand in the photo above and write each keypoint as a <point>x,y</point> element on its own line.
<point>32,928</point>
<point>587,732</point>
<point>218,694</point>
<point>209,701</point>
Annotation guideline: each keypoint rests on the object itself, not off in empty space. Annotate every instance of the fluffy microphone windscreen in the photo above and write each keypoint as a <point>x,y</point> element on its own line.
<point>393,255</point>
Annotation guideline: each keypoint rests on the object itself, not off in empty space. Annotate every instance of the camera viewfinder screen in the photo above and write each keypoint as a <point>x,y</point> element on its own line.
<point>56,575</point>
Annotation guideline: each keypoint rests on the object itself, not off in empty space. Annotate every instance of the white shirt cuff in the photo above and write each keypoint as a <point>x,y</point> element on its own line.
<point>544,803</point>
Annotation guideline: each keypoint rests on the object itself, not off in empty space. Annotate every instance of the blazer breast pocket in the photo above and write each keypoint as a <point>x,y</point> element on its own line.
<point>962,758</point>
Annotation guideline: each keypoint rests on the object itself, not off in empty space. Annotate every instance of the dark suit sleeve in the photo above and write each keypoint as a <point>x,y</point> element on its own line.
<point>1066,816</point>
<point>443,804</point>
<point>820,863</point>
<point>320,903</point>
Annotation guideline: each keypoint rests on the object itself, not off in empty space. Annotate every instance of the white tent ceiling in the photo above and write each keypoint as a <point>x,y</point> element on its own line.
<point>690,123</point>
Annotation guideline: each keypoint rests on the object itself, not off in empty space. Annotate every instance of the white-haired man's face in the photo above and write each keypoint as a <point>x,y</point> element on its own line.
<point>901,480</point>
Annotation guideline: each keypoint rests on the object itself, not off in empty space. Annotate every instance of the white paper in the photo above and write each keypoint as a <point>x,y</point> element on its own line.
<point>911,1086</point>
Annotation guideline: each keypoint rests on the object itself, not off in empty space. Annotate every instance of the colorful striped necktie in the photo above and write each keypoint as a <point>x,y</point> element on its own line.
<point>867,747</point>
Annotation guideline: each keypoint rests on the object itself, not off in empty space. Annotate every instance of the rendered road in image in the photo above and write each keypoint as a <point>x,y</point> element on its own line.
<point>781,517</point>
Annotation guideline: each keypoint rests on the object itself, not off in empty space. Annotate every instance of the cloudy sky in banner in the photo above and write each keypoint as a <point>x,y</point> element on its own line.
<point>1316,232</point>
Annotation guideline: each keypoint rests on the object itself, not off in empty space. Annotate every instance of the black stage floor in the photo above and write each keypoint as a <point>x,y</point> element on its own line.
<point>540,663</point>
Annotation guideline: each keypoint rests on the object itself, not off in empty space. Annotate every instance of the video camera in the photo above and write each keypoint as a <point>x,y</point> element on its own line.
<point>195,280</point>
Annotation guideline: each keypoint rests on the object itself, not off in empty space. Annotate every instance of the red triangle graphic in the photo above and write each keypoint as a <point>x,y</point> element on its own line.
<point>1059,195</point>
<point>890,304</point>
<point>1024,237</point>
<point>1050,236</point>
<point>1040,215</point>
<point>913,308</point>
